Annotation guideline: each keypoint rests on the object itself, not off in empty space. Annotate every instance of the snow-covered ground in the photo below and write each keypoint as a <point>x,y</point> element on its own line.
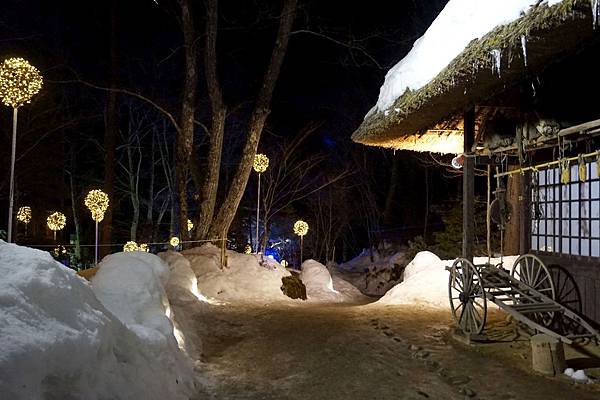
<point>456,26</point>
<point>426,281</point>
<point>62,337</point>
<point>244,278</point>
<point>323,286</point>
<point>249,277</point>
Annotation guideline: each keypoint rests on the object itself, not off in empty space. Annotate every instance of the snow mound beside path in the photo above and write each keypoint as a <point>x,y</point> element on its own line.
<point>426,281</point>
<point>321,286</point>
<point>58,340</point>
<point>244,278</point>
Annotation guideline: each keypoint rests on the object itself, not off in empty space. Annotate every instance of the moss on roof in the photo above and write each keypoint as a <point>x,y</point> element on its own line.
<point>469,78</point>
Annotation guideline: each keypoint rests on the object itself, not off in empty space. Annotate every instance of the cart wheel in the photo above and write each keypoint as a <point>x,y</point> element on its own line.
<point>530,270</point>
<point>569,296</point>
<point>467,298</point>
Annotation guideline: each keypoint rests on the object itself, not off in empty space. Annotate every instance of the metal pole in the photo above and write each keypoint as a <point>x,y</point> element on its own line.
<point>96,252</point>
<point>257,213</point>
<point>301,248</point>
<point>12,176</point>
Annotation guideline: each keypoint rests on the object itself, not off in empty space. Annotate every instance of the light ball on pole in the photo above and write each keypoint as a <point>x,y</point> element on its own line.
<point>24,214</point>
<point>97,202</point>
<point>174,241</point>
<point>19,82</point>
<point>300,228</point>
<point>130,246</point>
<point>56,221</point>
<point>261,163</point>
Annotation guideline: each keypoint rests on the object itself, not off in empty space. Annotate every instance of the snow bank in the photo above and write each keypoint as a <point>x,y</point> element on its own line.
<point>322,287</point>
<point>244,279</point>
<point>426,281</point>
<point>132,286</point>
<point>188,304</point>
<point>459,23</point>
<point>58,341</point>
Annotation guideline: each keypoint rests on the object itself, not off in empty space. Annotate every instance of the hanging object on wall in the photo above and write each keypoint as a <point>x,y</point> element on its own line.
<point>565,172</point>
<point>582,169</point>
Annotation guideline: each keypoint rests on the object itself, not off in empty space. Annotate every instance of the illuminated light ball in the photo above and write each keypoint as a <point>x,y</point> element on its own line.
<point>19,82</point>
<point>284,263</point>
<point>24,214</point>
<point>97,216</point>
<point>247,249</point>
<point>261,163</point>
<point>59,250</point>
<point>174,241</point>
<point>144,247</point>
<point>300,228</point>
<point>130,246</point>
<point>190,225</point>
<point>97,202</point>
<point>56,221</point>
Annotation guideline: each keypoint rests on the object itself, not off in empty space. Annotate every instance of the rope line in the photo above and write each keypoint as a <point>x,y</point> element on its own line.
<point>122,244</point>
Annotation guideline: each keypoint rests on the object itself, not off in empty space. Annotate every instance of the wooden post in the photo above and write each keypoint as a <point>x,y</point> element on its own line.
<point>547,355</point>
<point>224,250</point>
<point>468,185</point>
<point>524,217</point>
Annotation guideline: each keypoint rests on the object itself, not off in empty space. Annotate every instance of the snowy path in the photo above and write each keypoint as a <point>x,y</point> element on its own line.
<point>352,352</point>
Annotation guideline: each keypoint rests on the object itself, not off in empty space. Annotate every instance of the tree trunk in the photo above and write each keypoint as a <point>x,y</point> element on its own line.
<point>226,214</point>
<point>110,134</point>
<point>185,135</point>
<point>217,131</point>
<point>74,208</point>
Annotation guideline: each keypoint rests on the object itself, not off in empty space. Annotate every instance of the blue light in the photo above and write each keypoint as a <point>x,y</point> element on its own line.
<point>272,253</point>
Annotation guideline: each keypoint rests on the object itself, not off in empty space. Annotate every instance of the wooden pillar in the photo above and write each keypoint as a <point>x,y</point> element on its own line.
<point>468,185</point>
<point>524,214</point>
<point>514,196</point>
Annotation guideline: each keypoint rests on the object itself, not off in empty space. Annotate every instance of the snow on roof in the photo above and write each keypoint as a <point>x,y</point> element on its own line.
<point>456,26</point>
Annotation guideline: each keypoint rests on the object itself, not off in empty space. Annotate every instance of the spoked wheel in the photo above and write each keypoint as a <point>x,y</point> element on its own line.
<point>569,296</point>
<point>467,299</point>
<point>530,270</point>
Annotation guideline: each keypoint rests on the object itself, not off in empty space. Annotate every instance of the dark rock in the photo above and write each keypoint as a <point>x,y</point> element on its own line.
<point>293,287</point>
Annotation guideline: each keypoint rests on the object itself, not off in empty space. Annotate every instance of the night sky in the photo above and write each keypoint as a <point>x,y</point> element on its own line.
<point>335,63</point>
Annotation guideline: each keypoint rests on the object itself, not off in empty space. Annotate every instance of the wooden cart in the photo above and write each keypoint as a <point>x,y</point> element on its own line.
<point>527,293</point>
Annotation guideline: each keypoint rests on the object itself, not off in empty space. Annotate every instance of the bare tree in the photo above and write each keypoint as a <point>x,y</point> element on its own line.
<point>222,221</point>
<point>293,176</point>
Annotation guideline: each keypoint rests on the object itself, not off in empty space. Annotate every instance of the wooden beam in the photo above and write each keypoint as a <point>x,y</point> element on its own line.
<point>469,185</point>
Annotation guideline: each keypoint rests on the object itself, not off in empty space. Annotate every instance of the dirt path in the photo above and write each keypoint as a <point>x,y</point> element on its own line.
<point>355,352</point>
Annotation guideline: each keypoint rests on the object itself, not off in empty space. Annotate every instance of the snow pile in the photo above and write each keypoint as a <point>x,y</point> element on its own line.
<point>374,272</point>
<point>578,376</point>
<point>132,286</point>
<point>59,341</point>
<point>459,23</point>
<point>322,287</point>
<point>426,281</point>
<point>188,305</point>
<point>244,278</point>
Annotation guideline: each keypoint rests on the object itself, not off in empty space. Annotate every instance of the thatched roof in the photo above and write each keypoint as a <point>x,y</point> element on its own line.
<point>470,79</point>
